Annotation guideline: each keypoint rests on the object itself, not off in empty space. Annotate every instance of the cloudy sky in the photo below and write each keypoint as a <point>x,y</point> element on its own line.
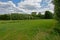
<point>25,6</point>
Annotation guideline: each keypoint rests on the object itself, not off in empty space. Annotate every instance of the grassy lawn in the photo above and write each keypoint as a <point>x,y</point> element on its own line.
<point>28,30</point>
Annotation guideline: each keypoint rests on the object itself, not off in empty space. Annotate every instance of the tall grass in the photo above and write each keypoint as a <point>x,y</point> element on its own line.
<point>28,30</point>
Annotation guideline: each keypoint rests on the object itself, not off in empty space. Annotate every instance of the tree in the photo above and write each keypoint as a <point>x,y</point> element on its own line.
<point>39,15</point>
<point>4,17</point>
<point>14,16</point>
<point>57,9</point>
<point>57,15</point>
<point>33,13</point>
<point>48,15</point>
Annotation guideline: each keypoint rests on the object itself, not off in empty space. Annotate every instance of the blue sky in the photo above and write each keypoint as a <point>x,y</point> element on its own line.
<point>43,3</point>
<point>14,1</point>
<point>26,6</point>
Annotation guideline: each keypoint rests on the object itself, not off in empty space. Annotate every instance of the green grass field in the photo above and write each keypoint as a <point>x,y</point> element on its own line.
<point>28,30</point>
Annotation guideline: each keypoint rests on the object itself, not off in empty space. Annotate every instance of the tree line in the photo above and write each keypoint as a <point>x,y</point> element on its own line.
<point>33,15</point>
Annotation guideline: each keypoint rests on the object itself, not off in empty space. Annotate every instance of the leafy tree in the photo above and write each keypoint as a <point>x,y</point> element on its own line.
<point>57,9</point>
<point>33,13</point>
<point>4,17</point>
<point>39,15</point>
<point>57,14</point>
<point>48,15</point>
<point>14,16</point>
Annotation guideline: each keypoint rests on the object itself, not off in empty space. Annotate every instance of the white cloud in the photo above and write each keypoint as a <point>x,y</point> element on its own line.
<point>8,7</point>
<point>35,5</point>
<point>27,6</point>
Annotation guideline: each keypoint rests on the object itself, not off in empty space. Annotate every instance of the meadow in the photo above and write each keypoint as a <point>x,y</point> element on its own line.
<point>28,30</point>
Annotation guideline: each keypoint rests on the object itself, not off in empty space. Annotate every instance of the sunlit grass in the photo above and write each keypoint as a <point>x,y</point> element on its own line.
<point>27,30</point>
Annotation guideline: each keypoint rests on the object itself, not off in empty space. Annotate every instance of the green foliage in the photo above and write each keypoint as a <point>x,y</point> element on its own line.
<point>19,16</point>
<point>15,16</point>
<point>57,15</point>
<point>33,13</point>
<point>4,17</point>
<point>57,9</point>
<point>48,15</point>
<point>39,15</point>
